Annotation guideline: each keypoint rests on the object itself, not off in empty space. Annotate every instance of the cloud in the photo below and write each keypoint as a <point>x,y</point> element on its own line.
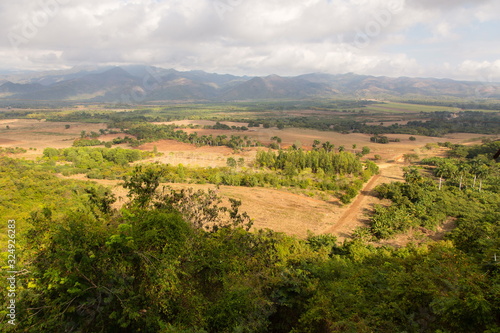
<point>445,4</point>
<point>247,37</point>
<point>483,71</point>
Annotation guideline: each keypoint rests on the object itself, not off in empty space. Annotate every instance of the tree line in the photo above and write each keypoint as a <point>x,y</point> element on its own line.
<point>324,160</point>
<point>145,132</point>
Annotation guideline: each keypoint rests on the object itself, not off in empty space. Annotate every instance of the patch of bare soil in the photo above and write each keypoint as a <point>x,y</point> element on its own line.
<point>40,134</point>
<point>175,153</point>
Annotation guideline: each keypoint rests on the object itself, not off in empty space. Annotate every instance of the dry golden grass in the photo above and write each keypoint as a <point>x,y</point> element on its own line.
<point>277,210</point>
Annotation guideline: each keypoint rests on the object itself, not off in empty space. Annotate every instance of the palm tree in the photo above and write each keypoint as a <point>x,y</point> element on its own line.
<point>412,175</point>
<point>316,143</point>
<point>482,173</point>
<point>476,167</point>
<point>463,170</point>
<point>328,147</point>
<point>445,170</point>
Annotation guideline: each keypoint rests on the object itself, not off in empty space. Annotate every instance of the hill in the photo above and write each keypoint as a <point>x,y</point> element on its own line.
<point>134,84</point>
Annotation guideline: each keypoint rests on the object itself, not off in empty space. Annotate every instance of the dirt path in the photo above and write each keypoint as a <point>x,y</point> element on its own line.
<point>355,214</point>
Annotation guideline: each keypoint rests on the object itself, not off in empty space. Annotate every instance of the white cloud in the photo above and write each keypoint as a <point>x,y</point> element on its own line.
<point>246,37</point>
<point>488,11</point>
<point>484,71</point>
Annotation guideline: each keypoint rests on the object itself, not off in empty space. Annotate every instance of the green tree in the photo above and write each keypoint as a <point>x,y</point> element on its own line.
<point>231,162</point>
<point>278,141</point>
<point>412,175</point>
<point>328,147</point>
<point>316,144</point>
<point>143,183</point>
<point>410,157</point>
<point>445,170</point>
<point>365,150</point>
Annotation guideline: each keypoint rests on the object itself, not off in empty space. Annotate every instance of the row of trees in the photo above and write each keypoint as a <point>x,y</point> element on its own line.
<point>102,163</point>
<point>220,126</point>
<point>325,164</point>
<point>149,132</point>
<point>322,160</point>
<point>467,165</point>
<point>431,124</point>
<point>230,176</point>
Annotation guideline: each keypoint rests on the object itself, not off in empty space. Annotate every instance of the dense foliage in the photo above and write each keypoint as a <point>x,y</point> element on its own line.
<point>145,132</point>
<point>466,189</point>
<point>96,163</point>
<point>153,267</point>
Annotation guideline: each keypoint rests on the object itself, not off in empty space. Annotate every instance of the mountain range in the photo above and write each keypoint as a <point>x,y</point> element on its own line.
<point>138,84</point>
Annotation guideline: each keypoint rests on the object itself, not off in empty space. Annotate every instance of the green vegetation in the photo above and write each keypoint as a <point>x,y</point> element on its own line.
<point>465,189</point>
<point>87,142</point>
<point>345,116</point>
<point>26,186</point>
<point>221,126</point>
<point>12,150</point>
<point>149,133</point>
<point>189,261</point>
<point>96,163</point>
<point>396,107</point>
<point>179,262</point>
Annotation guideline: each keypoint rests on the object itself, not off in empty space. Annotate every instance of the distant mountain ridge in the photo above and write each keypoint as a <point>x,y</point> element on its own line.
<point>138,84</point>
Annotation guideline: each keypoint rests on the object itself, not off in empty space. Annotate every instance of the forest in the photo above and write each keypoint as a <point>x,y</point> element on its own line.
<point>178,261</point>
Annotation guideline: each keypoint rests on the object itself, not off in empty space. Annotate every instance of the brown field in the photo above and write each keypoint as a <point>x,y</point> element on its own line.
<point>32,133</point>
<point>274,209</point>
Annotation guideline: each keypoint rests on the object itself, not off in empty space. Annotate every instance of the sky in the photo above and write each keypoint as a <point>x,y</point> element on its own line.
<point>457,39</point>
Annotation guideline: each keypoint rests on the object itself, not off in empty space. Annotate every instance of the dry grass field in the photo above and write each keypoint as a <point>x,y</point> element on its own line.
<point>274,209</point>
<point>32,133</point>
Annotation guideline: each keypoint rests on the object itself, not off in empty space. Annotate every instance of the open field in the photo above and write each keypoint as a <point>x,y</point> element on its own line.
<point>296,214</point>
<point>393,107</point>
<point>270,208</point>
<point>32,133</point>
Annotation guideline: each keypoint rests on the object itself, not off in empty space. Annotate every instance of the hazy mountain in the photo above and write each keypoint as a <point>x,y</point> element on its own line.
<point>137,84</point>
<point>17,88</point>
<point>274,86</point>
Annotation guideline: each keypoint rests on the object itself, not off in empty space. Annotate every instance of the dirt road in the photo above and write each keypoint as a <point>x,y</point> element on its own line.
<point>355,214</point>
